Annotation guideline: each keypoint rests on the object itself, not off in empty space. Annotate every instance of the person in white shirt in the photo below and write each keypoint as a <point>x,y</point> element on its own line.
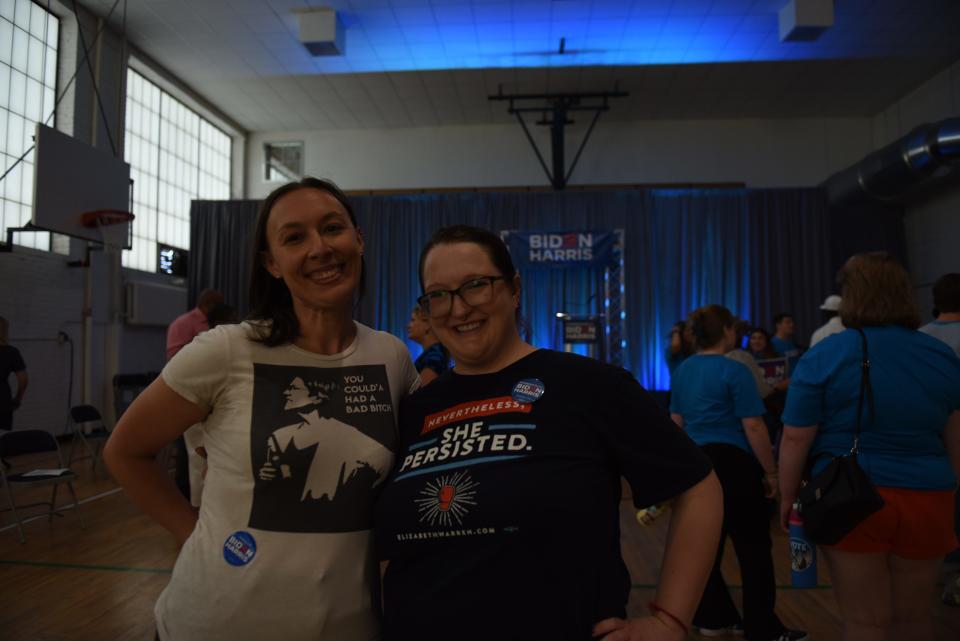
<point>297,410</point>
<point>831,308</point>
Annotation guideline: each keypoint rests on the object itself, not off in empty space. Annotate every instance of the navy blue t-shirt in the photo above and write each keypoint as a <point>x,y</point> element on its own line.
<point>433,357</point>
<point>916,385</point>
<point>713,393</point>
<point>501,520</point>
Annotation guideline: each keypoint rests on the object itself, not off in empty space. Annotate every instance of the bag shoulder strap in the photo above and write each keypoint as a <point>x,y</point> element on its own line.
<point>866,390</point>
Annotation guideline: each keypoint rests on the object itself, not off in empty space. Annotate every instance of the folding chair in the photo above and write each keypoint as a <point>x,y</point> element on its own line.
<point>87,427</point>
<point>18,443</point>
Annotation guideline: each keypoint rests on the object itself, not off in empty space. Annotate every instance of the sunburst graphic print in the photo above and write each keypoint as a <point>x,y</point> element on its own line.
<point>446,499</point>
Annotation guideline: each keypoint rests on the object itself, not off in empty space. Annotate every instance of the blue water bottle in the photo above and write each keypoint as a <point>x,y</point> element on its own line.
<point>803,553</point>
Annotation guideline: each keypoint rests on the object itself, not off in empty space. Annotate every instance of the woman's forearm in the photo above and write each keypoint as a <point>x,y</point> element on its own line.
<point>691,547</point>
<point>759,439</point>
<point>152,489</point>
<point>794,447</point>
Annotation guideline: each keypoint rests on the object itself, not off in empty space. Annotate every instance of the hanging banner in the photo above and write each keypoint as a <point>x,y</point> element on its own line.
<point>535,249</point>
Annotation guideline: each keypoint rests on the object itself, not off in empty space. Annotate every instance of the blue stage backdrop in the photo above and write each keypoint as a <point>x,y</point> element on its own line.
<point>755,251</point>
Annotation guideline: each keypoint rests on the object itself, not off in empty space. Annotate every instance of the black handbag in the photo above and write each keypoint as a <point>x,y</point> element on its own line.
<point>841,496</point>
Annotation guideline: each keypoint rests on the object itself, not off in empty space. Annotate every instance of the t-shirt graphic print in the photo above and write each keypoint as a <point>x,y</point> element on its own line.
<point>320,441</point>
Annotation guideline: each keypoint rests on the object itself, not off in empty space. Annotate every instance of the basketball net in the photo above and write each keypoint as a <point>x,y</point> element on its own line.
<point>112,226</point>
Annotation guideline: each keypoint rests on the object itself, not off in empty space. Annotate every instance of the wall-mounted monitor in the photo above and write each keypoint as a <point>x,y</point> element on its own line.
<point>172,260</point>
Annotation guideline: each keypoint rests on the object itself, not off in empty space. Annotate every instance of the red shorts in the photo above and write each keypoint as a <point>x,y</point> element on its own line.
<point>913,524</point>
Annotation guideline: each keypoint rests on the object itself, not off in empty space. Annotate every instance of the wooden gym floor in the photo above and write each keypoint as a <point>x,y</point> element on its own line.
<point>69,584</point>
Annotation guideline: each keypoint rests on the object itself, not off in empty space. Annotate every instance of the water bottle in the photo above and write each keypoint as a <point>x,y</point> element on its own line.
<point>803,553</point>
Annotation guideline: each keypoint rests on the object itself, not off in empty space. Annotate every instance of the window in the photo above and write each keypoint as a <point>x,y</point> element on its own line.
<point>28,81</point>
<point>175,156</point>
<point>284,161</point>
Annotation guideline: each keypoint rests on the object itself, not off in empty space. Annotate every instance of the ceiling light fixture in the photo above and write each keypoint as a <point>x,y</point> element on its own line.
<point>321,31</point>
<point>805,20</point>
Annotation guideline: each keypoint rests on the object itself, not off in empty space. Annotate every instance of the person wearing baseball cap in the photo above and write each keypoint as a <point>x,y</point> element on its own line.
<point>831,311</point>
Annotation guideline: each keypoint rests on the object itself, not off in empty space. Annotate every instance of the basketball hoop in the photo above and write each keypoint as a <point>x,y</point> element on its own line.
<point>110,222</point>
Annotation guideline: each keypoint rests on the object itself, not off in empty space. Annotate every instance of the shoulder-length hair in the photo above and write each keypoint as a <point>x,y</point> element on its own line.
<point>708,324</point>
<point>876,290</point>
<point>270,299</point>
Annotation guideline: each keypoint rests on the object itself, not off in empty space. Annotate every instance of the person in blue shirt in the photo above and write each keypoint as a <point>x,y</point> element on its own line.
<point>782,341</point>
<point>680,348</point>
<point>434,360</point>
<point>884,571</point>
<point>716,401</point>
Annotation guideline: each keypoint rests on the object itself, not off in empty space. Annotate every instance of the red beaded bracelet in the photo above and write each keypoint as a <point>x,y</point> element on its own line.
<point>656,608</point>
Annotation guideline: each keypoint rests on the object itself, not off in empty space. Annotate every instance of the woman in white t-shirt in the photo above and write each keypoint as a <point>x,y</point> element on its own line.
<point>298,412</point>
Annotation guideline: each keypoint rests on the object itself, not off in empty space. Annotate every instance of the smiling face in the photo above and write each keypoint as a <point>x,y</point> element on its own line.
<point>758,342</point>
<point>313,246</point>
<point>478,337</point>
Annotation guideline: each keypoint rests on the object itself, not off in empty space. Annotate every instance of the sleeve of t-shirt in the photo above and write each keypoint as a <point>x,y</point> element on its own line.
<point>198,371</point>
<point>656,457</point>
<point>804,406</point>
<point>17,364</point>
<point>410,378</point>
<point>746,399</point>
<point>435,359</point>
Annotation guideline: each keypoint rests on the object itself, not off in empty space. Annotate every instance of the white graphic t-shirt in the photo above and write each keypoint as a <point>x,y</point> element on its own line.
<point>297,445</point>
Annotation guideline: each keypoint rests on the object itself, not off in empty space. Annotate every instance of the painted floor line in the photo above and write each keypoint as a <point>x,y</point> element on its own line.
<point>82,566</point>
<point>44,515</point>
<point>653,586</point>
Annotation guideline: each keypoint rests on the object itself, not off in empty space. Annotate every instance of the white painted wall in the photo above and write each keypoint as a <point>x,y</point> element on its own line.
<point>762,153</point>
<point>932,224</point>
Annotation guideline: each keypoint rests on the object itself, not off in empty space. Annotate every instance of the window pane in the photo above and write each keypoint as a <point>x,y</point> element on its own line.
<point>27,85</point>
<point>6,41</point>
<point>21,47</point>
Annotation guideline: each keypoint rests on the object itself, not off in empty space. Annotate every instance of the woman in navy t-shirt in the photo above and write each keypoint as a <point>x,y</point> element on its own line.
<point>716,401</point>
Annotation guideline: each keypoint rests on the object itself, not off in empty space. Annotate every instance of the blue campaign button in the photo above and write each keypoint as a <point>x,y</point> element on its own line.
<point>529,390</point>
<point>239,548</point>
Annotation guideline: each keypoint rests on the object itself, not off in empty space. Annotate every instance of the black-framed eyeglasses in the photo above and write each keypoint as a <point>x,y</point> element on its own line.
<point>476,291</point>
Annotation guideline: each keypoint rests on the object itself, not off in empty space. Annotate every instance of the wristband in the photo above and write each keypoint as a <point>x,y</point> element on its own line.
<point>656,608</point>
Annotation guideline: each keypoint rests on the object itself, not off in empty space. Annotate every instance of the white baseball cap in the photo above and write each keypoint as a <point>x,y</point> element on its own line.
<point>831,303</point>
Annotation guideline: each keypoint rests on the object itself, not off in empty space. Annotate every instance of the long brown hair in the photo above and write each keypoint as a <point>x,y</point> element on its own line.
<point>270,299</point>
<point>876,291</point>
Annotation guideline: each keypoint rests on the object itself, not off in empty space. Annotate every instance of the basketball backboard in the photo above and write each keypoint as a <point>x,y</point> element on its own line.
<point>71,178</point>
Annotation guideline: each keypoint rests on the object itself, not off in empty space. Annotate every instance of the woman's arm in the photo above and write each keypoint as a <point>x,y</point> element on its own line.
<point>951,438</point>
<point>155,418</point>
<point>759,439</point>
<point>794,447</point>
<point>427,375</point>
<point>677,418</point>
<point>691,547</point>
<point>22,380</point>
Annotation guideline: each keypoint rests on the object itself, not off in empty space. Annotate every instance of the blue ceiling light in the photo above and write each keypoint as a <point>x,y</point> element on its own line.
<point>457,34</point>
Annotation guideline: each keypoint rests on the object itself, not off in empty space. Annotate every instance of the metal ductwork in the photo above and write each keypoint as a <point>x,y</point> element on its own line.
<point>929,151</point>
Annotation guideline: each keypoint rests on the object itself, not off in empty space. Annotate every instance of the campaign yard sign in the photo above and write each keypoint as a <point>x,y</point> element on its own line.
<point>774,369</point>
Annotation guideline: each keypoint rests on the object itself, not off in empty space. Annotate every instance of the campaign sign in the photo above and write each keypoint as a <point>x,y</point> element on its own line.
<point>580,331</point>
<point>774,369</point>
<point>533,249</point>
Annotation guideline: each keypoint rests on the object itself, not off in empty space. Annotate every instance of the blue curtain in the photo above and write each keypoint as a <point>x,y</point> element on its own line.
<point>755,251</point>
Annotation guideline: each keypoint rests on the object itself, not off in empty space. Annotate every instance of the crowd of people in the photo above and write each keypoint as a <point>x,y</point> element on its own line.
<point>885,570</point>
<point>351,494</point>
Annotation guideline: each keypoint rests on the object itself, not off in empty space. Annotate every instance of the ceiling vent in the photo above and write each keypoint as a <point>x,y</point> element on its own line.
<point>321,31</point>
<point>805,20</point>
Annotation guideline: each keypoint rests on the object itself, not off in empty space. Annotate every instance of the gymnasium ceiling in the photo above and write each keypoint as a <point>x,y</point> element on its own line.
<point>434,62</point>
